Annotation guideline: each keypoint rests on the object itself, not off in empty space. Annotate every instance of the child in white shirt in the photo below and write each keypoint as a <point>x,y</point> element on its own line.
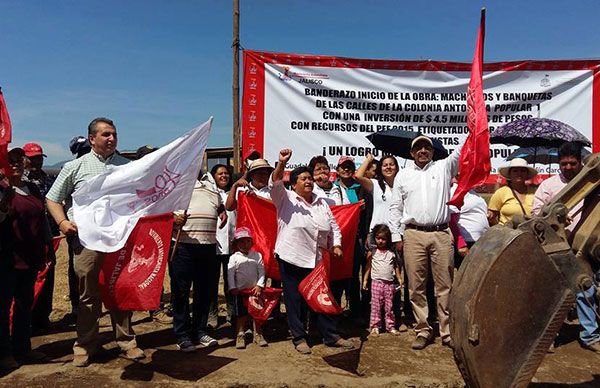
<point>245,271</point>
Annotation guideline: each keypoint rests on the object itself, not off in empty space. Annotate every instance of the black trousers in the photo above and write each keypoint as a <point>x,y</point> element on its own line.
<point>193,266</point>
<point>73,282</point>
<point>17,285</point>
<point>296,307</point>
<point>222,262</point>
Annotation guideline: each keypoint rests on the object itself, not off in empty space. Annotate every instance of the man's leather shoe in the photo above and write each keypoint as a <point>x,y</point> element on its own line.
<point>595,347</point>
<point>449,342</point>
<point>303,348</point>
<point>133,354</point>
<point>81,360</point>
<point>343,343</point>
<point>420,343</point>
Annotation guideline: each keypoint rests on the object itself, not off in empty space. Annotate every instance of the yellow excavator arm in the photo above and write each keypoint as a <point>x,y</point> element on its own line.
<point>517,284</point>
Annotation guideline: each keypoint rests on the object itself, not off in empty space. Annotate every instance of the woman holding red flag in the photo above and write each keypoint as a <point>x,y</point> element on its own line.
<point>24,233</point>
<point>305,226</point>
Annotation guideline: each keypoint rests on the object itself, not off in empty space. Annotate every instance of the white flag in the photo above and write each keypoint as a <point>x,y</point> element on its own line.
<point>107,207</point>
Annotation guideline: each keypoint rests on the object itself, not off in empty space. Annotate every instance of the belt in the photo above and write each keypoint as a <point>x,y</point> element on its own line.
<point>428,228</point>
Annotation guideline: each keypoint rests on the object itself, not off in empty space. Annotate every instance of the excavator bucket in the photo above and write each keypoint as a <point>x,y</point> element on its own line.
<point>507,304</point>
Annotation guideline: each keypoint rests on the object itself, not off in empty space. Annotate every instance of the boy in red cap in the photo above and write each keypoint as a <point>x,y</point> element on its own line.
<point>34,173</point>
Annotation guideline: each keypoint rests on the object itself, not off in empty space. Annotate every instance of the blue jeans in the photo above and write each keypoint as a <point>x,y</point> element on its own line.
<point>192,267</point>
<point>589,333</point>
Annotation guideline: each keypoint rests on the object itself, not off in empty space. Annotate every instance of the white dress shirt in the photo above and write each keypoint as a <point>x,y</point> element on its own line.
<point>264,192</point>
<point>420,194</point>
<point>303,228</point>
<point>332,197</point>
<point>245,270</point>
<point>225,234</point>
<point>472,222</point>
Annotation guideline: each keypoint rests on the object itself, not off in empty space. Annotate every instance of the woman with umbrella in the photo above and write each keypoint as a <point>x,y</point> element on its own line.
<point>514,198</point>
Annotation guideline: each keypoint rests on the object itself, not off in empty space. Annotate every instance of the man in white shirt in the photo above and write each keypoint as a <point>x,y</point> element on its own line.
<point>419,221</point>
<point>102,134</point>
<point>471,220</point>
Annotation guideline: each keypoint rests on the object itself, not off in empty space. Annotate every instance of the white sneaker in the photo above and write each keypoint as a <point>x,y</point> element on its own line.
<point>374,332</point>
<point>206,341</point>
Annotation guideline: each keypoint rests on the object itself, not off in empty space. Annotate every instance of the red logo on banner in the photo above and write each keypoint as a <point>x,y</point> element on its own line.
<point>164,184</point>
<point>316,291</point>
<point>132,278</point>
<point>260,307</point>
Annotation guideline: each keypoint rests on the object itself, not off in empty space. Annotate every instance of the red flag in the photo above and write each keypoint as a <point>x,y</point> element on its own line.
<point>260,307</point>
<point>347,219</point>
<point>260,217</point>
<point>4,158</point>
<point>132,278</point>
<point>5,126</point>
<point>316,291</point>
<point>43,274</point>
<point>475,165</point>
<point>5,133</point>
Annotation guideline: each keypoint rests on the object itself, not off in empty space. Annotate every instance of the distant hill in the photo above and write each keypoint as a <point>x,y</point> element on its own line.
<point>58,165</point>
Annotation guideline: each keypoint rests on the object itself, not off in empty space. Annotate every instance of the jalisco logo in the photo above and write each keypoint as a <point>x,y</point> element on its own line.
<point>303,78</point>
<point>164,184</point>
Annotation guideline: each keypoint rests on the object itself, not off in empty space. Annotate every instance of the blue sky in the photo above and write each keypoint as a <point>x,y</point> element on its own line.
<point>158,68</point>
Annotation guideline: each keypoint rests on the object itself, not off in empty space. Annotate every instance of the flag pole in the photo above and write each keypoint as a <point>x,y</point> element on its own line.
<point>179,229</point>
<point>236,85</point>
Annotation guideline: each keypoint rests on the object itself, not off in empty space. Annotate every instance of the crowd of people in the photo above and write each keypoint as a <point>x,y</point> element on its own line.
<point>409,243</point>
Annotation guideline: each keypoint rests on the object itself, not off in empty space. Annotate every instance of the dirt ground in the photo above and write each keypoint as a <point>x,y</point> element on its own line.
<point>385,361</point>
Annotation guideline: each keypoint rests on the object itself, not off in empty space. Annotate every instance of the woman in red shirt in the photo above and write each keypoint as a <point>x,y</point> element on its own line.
<point>24,233</point>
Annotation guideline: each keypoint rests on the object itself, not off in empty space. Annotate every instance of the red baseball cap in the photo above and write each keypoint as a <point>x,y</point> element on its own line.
<point>33,149</point>
<point>345,159</point>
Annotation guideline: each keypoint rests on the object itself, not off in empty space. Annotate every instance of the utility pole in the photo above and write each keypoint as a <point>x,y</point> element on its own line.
<point>236,85</point>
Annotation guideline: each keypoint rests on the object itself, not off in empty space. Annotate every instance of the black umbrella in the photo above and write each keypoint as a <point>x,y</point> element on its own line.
<point>397,142</point>
<point>542,155</point>
<point>532,132</point>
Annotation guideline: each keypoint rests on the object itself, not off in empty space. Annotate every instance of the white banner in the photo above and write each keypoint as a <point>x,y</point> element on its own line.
<point>328,105</point>
<point>107,207</point>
